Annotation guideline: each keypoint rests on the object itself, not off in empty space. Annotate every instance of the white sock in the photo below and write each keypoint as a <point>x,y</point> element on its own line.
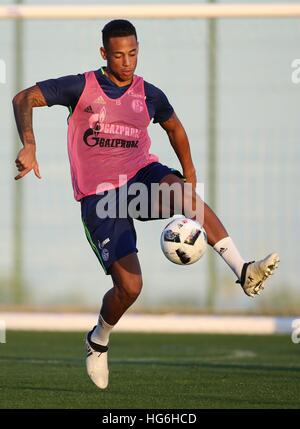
<point>227,249</point>
<point>101,332</point>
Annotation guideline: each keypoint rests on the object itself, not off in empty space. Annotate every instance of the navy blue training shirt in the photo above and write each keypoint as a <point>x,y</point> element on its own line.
<point>66,91</point>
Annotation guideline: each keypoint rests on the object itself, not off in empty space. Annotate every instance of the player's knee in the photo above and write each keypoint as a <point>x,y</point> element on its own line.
<point>131,289</point>
<point>134,288</point>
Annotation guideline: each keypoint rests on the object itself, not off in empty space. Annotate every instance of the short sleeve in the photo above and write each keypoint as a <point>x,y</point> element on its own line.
<point>161,109</point>
<point>63,91</point>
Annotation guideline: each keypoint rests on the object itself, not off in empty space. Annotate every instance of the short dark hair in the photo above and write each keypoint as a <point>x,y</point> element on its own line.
<point>117,28</point>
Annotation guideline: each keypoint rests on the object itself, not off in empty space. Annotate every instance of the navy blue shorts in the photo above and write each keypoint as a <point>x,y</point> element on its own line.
<point>114,238</point>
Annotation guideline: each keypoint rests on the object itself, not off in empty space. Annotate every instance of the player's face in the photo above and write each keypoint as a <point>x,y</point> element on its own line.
<point>121,56</point>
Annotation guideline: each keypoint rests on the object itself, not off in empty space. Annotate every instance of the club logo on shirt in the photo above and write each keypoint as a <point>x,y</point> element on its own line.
<point>105,254</point>
<point>137,106</point>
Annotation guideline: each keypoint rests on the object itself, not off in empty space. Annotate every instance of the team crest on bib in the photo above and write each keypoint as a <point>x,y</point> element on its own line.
<point>137,106</point>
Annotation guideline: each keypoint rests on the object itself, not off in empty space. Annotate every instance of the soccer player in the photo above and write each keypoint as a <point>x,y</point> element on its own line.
<point>108,144</point>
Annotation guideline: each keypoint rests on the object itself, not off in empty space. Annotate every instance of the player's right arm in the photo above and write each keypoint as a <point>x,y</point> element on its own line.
<point>23,103</point>
<point>63,91</point>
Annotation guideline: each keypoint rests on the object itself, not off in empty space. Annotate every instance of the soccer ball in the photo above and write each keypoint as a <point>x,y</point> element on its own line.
<point>183,241</point>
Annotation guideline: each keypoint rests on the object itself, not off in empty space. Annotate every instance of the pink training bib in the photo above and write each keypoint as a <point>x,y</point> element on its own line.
<point>108,138</point>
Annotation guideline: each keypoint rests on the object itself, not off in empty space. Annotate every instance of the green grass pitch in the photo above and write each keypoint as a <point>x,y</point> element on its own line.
<point>47,370</point>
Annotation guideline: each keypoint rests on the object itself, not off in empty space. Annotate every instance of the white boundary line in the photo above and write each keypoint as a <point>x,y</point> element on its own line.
<point>170,323</point>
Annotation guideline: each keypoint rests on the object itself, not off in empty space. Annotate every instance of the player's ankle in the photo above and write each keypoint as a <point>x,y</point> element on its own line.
<point>101,332</point>
<point>228,251</point>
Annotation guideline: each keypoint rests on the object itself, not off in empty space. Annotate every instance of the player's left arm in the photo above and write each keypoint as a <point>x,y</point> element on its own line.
<point>180,143</point>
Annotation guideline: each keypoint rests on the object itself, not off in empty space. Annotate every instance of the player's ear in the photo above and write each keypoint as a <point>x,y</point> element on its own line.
<point>103,53</point>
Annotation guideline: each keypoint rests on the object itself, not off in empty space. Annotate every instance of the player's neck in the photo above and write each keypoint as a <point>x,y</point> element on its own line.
<point>114,79</point>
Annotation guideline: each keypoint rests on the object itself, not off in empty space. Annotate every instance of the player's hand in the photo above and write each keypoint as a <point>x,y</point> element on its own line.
<point>26,161</point>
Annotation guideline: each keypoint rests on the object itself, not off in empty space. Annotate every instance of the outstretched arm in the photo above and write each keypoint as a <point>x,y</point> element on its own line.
<point>23,104</point>
<point>181,146</point>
